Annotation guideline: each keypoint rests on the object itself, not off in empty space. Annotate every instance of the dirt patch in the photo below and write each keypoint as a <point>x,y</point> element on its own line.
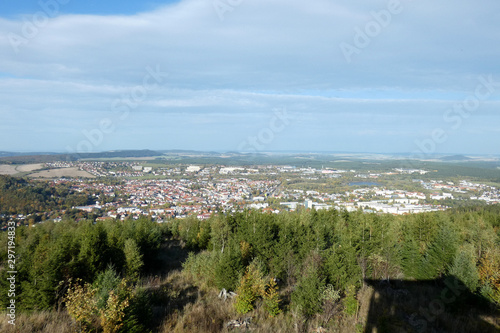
<point>63,172</point>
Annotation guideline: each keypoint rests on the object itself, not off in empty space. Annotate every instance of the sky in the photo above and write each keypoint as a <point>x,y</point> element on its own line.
<point>395,76</point>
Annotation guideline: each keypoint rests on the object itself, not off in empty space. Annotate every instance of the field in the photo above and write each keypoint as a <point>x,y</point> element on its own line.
<point>10,170</point>
<point>63,172</point>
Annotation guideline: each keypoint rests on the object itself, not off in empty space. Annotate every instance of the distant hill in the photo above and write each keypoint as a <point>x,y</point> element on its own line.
<point>11,153</point>
<point>24,159</point>
<point>121,153</point>
<point>54,157</point>
<point>455,158</point>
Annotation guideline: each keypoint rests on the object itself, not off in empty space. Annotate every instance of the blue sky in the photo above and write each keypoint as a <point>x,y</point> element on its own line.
<point>13,9</point>
<point>322,75</point>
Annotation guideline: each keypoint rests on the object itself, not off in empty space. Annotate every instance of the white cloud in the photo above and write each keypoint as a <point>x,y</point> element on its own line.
<point>265,54</point>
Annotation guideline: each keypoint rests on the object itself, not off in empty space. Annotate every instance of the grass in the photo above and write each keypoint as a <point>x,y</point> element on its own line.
<point>179,306</point>
<point>43,322</point>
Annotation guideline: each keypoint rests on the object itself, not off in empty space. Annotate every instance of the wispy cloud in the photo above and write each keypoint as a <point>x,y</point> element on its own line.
<point>265,54</point>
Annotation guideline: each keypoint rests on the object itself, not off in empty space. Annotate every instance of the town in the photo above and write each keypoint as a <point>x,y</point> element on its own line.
<point>125,189</point>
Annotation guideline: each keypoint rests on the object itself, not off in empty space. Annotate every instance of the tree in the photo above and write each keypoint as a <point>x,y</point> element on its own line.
<point>489,274</point>
<point>220,232</point>
<point>441,251</point>
<point>350,302</point>
<point>342,267</point>
<point>272,298</point>
<point>133,259</point>
<point>411,258</point>
<point>82,305</point>
<point>307,297</point>
<point>251,287</point>
<point>113,314</point>
<point>93,249</point>
<point>228,270</point>
<point>464,267</point>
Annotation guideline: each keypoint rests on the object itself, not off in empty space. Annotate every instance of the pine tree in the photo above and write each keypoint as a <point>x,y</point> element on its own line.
<point>464,267</point>
<point>307,297</point>
<point>411,259</point>
<point>133,259</point>
<point>440,254</point>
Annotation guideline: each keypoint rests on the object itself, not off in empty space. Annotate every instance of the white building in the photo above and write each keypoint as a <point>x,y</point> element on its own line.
<point>193,168</point>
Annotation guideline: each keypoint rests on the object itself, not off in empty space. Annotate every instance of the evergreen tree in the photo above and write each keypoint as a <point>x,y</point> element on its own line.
<point>441,251</point>
<point>133,259</point>
<point>342,267</point>
<point>307,296</point>
<point>464,267</point>
<point>228,270</point>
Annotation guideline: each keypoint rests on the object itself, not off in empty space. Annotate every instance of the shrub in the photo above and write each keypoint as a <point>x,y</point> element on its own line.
<point>272,299</point>
<point>81,304</point>
<point>250,288</point>
<point>350,302</point>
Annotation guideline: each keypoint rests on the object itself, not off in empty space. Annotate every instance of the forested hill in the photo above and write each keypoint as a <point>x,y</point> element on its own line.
<point>19,196</point>
<point>298,271</point>
<point>53,157</point>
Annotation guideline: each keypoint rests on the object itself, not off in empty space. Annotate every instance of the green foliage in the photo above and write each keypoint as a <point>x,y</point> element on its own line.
<point>251,287</point>
<point>350,302</point>
<point>81,304</point>
<point>464,267</point>
<point>342,267</point>
<point>133,259</point>
<point>105,282</point>
<point>411,258</point>
<point>272,299</point>
<point>93,256</point>
<point>489,274</point>
<point>139,314</point>
<point>307,297</point>
<point>228,270</point>
<point>201,267</point>
<point>55,252</point>
<point>441,251</point>
<point>194,232</point>
<point>306,250</point>
<point>20,196</point>
<point>330,294</point>
<point>113,314</point>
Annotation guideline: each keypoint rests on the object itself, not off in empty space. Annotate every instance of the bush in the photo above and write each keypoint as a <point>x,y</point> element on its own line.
<point>201,267</point>
<point>250,288</point>
<point>272,299</point>
<point>350,302</point>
